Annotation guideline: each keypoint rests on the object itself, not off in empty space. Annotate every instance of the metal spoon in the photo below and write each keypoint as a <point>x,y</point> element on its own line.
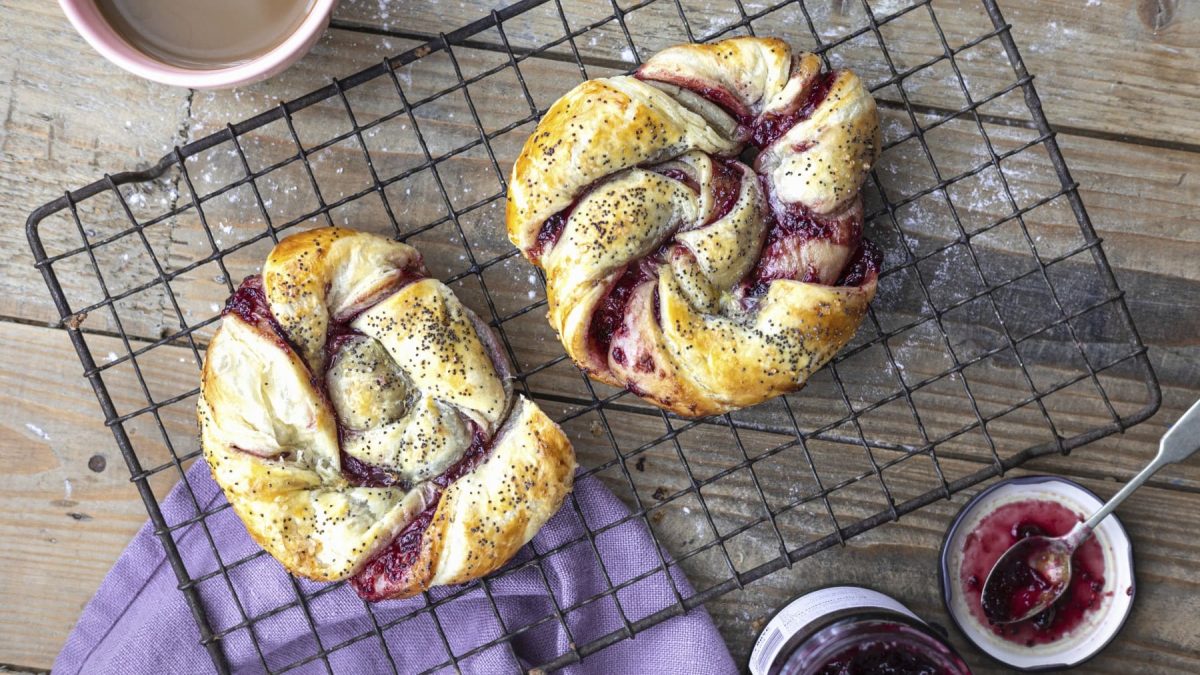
<point>1034,572</point>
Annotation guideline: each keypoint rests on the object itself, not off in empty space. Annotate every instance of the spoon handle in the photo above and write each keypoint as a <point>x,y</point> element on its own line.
<point>1180,442</point>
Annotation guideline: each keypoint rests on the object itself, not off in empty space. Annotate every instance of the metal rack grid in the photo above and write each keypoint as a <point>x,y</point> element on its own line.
<point>1092,340</point>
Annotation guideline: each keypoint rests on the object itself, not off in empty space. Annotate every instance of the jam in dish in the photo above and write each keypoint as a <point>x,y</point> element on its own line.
<point>848,630</point>
<point>881,657</point>
<point>1015,588</point>
<point>995,534</point>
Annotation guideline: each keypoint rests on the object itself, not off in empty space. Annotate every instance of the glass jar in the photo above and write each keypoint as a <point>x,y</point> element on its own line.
<point>847,630</point>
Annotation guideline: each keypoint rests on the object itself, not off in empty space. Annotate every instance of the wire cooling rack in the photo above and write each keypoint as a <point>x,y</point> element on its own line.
<point>998,334</point>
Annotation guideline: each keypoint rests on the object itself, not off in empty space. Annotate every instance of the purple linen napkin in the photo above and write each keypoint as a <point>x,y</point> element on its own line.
<point>139,622</point>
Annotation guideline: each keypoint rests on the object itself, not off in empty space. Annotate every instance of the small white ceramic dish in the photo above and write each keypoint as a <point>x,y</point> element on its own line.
<point>1099,627</point>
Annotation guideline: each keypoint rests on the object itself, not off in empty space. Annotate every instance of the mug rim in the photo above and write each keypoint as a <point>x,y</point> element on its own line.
<point>105,40</point>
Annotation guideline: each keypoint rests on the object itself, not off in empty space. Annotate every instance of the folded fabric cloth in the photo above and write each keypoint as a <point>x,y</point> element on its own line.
<point>139,622</point>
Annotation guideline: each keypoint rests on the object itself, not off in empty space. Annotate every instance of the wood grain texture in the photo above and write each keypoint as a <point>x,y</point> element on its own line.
<point>68,117</point>
<point>1123,67</point>
<point>63,522</point>
<point>66,124</point>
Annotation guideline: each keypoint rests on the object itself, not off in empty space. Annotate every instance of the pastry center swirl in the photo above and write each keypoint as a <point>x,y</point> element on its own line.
<point>700,222</point>
<point>361,421</point>
<point>390,433</point>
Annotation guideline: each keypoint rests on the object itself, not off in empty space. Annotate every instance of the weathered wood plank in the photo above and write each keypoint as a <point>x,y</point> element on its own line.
<point>67,505</point>
<point>59,124</point>
<point>68,117</point>
<point>1141,83</point>
<point>1161,176</point>
<point>902,560</point>
<point>922,226</point>
<point>51,433</point>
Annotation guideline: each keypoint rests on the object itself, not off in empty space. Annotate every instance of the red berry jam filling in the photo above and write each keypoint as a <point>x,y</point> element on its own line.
<point>391,567</point>
<point>551,230</point>
<point>770,127</point>
<point>249,302</point>
<point>795,220</point>
<point>726,188</point>
<point>610,313</point>
<point>865,265</point>
<point>363,474</point>
<point>882,657</point>
<point>472,457</point>
<point>1000,530</point>
<point>336,337</point>
<point>792,226</point>
<point>764,129</point>
<point>718,96</point>
<point>681,176</point>
<point>771,267</point>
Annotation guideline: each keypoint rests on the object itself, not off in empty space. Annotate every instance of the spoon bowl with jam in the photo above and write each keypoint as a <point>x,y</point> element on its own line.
<point>1035,572</point>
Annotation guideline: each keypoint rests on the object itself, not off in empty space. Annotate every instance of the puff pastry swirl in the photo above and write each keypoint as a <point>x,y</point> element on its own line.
<point>361,422</point>
<point>697,281</point>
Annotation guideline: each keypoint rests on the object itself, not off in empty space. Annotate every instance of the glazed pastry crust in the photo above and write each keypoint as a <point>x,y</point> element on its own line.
<point>484,518</point>
<point>417,375</point>
<point>597,129</point>
<point>663,278</point>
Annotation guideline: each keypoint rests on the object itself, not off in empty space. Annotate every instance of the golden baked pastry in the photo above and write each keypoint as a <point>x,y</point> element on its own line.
<point>674,269</point>
<point>362,424</point>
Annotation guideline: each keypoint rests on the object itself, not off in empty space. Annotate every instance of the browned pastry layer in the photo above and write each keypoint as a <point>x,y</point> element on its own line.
<point>360,421</point>
<point>676,270</point>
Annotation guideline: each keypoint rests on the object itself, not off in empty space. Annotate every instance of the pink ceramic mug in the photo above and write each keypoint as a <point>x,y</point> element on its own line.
<point>86,19</point>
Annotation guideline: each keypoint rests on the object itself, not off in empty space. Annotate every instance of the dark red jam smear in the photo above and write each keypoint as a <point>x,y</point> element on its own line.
<point>681,176</point>
<point>397,559</point>
<point>1014,589</point>
<point>726,186</point>
<point>337,335</point>
<point>472,457</point>
<point>758,281</point>
<point>1011,523</point>
<point>796,220</point>
<point>770,127</point>
<point>722,98</point>
<point>249,302</point>
<point>610,313</point>
<point>882,657</point>
<point>550,232</point>
<point>394,562</point>
<point>363,474</point>
<point>865,265</point>
<point>790,222</point>
<point>765,129</point>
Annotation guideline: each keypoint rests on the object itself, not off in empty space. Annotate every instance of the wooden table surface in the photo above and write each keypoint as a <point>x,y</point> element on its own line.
<point>1120,80</point>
